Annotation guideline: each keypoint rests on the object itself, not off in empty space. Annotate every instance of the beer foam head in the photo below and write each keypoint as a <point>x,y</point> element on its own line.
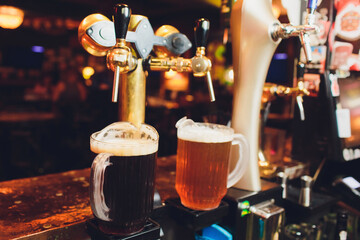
<point>205,132</point>
<point>125,139</point>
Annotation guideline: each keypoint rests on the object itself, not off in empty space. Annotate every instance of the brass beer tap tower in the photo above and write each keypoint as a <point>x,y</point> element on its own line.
<point>255,35</point>
<point>127,43</point>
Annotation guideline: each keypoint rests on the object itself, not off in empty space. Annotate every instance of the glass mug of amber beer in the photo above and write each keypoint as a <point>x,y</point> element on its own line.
<point>202,163</point>
<point>122,177</point>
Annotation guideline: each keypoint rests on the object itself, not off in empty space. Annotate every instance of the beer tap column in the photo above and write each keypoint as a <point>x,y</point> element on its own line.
<point>255,35</point>
<point>253,49</point>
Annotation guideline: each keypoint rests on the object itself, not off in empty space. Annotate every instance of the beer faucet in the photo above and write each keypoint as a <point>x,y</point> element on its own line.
<point>283,31</point>
<point>288,30</point>
<point>272,90</point>
<point>256,34</point>
<point>120,59</point>
<point>127,43</point>
<point>199,65</point>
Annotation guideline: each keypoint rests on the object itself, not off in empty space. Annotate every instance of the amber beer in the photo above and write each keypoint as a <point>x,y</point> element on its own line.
<point>202,166</point>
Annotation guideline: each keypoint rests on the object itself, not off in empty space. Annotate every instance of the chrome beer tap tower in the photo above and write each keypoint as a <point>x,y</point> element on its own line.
<point>127,43</point>
<point>255,35</point>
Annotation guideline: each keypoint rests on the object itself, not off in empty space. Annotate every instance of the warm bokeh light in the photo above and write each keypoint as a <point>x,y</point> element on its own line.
<point>189,98</point>
<point>179,83</point>
<point>87,72</point>
<point>11,17</point>
<point>175,81</point>
<point>170,74</point>
<point>276,11</point>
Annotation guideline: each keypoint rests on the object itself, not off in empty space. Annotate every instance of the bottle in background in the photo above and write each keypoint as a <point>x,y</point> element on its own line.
<point>341,225</point>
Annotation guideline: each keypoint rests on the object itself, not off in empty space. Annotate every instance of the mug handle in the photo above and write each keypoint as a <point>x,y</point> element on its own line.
<point>97,199</point>
<point>242,159</point>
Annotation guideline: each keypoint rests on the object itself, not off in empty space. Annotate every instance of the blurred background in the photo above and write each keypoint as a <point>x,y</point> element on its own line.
<point>53,94</point>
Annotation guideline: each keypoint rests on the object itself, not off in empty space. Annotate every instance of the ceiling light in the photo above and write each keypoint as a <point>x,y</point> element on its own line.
<point>11,17</point>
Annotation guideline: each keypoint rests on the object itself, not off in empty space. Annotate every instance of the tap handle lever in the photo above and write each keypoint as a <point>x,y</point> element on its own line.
<point>201,29</point>
<point>121,20</point>
<point>305,42</point>
<point>116,82</point>
<point>299,101</point>
<point>301,90</point>
<point>210,87</point>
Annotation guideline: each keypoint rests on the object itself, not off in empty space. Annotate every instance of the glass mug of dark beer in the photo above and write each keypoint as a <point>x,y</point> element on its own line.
<point>202,163</point>
<point>122,177</point>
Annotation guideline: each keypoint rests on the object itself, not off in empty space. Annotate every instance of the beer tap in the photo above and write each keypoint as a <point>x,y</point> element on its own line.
<point>120,59</point>
<point>272,90</point>
<point>127,43</point>
<point>199,65</point>
<point>288,30</point>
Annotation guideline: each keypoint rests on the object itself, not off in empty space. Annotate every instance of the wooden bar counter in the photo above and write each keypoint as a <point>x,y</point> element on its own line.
<point>56,206</point>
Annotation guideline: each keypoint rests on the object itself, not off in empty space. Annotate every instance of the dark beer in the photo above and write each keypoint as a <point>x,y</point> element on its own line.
<point>122,178</point>
<point>128,193</point>
<point>202,168</point>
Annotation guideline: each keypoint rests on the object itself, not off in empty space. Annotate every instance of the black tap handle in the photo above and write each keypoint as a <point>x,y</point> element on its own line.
<point>121,20</point>
<point>202,27</point>
<point>300,71</point>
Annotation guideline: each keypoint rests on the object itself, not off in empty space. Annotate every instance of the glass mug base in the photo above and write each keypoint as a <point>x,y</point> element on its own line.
<point>204,205</point>
<point>120,230</point>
